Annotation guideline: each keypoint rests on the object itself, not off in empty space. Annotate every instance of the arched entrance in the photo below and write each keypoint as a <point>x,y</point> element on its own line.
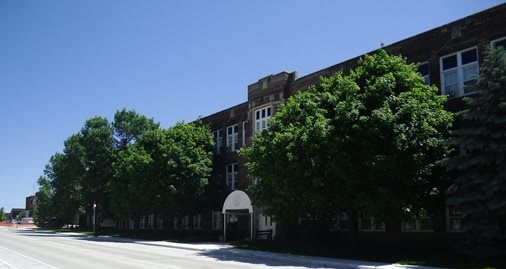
<point>238,216</point>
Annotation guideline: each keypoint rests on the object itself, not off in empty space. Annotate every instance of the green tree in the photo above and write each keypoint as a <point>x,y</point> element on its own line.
<point>22,214</point>
<point>188,148</point>
<point>2,214</point>
<point>44,211</point>
<point>164,171</point>
<point>129,126</point>
<point>480,165</point>
<point>66,180</point>
<point>133,183</point>
<point>97,140</point>
<point>363,142</point>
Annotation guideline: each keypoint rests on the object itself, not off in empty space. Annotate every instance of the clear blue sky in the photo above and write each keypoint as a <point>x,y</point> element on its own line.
<point>62,62</point>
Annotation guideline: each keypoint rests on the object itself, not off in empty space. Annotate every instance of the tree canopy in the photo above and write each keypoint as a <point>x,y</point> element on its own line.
<point>129,167</point>
<point>365,141</point>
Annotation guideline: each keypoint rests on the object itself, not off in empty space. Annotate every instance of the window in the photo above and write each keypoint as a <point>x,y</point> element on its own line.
<point>217,221</point>
<point>454,219</point>
<point>160,223</point>
<point>423,224</point>
<point>459,72</point>
<point>175,223</point>
<point>196,221</point>
<point>410,225</point>
<point>267,221</point>
<point>151,221</point>
<point>262,117</point>
<point>308,219</point>
<point>142,223</point>
<point>232,176</point>
<point>501,42</point>
<point>243,133</point>
<point>371,224</point>
<point>423,69</point>
<point>340,222</point>
<point>233,137</point>
<point>217,141</point>
<point>185,224</point>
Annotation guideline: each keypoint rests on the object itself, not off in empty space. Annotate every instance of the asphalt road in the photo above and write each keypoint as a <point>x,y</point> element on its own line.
<point>27,248</point>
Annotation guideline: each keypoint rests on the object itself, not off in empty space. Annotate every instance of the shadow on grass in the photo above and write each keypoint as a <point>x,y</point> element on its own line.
<point>411,255</point>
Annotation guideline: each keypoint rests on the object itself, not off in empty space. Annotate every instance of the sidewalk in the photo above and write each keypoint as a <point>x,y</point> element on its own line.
<point>227,249</point>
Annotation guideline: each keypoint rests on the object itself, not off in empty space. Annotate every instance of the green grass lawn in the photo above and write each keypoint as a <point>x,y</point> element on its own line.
<point>437,258</point>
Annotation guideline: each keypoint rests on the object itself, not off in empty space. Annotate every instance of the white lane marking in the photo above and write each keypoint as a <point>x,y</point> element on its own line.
<point>8,264</point>
<point>37,261</point>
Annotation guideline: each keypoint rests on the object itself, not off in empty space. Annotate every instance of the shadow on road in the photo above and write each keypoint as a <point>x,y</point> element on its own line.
<point>218,251</point>
<point>272,259</point>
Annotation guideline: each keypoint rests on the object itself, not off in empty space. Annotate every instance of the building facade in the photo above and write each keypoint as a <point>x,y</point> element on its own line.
<point>448,56</point>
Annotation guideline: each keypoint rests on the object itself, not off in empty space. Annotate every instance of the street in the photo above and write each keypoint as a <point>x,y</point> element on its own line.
<point>29,248</point>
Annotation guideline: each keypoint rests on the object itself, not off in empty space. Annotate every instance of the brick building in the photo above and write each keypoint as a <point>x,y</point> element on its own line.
<point>30,204</point>
<point>449,57</point>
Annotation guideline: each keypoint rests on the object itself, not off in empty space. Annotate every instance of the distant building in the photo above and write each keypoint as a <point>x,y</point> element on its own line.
<point>30,204</point>
<point>15,212</point>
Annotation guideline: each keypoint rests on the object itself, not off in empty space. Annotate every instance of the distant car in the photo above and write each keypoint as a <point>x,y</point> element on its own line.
<point>13,221</point>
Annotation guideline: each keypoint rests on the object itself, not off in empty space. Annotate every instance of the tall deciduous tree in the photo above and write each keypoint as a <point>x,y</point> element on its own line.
<point>164,172</point>
<point>97,140</point>
<point>364,141</point>
<point>187,154</point>
<point>129,126</point>
<point>66,180</point>
<point>44,211</point>
<point>480,165</point>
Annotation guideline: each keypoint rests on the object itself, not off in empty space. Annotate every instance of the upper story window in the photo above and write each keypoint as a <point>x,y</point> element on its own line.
<point>501,42</point>
<point>233,137</point>
<point>261,118</point>
<point>232,176</point>
<point>423,69</point>
<point>217,141</point>
<point>459,72</point>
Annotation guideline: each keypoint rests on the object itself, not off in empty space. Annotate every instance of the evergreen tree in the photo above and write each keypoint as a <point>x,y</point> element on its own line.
<point>2,214</point>
<point>479,189</point>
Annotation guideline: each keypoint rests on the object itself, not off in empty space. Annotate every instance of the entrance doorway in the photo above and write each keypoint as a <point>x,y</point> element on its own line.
<point>238,217</point>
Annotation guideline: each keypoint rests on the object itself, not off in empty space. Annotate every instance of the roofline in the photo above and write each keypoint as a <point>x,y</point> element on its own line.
<point>403,40</point>
<point>226,109</point>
